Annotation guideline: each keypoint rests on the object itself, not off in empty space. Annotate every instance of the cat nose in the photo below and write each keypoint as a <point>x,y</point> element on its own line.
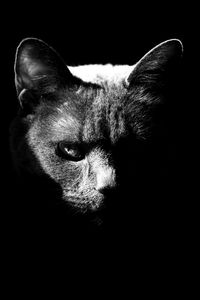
<point>105,179</point>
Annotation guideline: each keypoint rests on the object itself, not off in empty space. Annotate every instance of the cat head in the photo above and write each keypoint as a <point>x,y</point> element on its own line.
<point>92,136</point>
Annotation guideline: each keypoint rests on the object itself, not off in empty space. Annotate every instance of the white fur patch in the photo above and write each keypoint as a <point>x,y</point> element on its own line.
<point>101,73</point>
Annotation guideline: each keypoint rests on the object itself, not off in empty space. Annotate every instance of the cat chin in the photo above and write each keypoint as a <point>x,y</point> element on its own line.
<point>85,205</point>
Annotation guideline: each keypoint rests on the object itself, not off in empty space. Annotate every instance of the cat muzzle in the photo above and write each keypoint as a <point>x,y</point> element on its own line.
<point>106,179</point>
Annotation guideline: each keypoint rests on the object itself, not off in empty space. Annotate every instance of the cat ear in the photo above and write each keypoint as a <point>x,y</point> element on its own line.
<point>157,68</point>
<point>38,68</point>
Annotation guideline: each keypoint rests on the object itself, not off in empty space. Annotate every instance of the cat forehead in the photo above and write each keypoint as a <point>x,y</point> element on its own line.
<point>99,74</point>
<point>90,113</point>
<point>99,118</point>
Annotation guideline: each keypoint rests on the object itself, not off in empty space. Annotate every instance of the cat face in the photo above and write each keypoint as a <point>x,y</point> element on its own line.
<point>94,136</point>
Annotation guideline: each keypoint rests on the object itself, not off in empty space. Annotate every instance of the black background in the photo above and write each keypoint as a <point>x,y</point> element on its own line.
<point>119,34</point>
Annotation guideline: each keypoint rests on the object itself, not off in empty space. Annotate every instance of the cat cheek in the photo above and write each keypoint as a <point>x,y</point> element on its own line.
<point>73,173</point>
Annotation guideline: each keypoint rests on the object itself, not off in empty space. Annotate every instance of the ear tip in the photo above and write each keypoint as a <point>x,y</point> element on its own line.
<point>30,40</point>
<point>175,43</point>
<point>28,43</point>
<point>30,47</point>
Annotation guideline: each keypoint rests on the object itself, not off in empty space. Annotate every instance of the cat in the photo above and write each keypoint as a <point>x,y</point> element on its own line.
<point>96,140</point>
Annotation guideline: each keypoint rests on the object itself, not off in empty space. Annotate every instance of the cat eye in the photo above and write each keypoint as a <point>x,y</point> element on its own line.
<point>69,151</point>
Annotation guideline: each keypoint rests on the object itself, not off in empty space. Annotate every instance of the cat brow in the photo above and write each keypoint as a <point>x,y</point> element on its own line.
<point>66,128</point>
